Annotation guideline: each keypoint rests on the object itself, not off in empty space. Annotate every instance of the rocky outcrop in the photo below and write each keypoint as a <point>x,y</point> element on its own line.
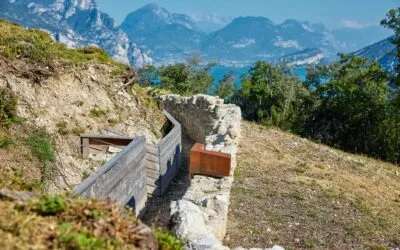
<point>199,218</point>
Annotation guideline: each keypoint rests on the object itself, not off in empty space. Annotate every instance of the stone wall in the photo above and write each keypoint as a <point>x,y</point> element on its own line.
<point>200,216</point>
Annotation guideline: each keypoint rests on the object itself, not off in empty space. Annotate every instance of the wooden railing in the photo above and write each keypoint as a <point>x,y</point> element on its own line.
<point>138,167</point>
<point>123,179</point>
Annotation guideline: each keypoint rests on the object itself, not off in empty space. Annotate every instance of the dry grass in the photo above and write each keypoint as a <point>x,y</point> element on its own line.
<point>60,223</point>
<point>299,194</point>
<point>19,168</point>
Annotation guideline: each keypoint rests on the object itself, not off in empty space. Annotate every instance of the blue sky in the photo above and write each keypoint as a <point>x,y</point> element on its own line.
<point>332,13</point>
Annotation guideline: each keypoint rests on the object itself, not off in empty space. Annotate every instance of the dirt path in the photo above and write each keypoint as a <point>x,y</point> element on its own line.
<point>294,193</point>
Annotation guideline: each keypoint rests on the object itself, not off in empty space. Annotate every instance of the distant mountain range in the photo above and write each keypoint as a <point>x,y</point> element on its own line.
<point>384,52</point>
<point>152,34</point>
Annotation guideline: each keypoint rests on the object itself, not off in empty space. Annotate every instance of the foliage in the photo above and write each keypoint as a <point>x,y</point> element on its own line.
<point>226,87</point>
<point>8,107</point>
<point>351,106</point>
<point>60,222</point>
<point>392,21</point>
<point>148,75</point>
<point>48,205</point>
<point>36,46</point>
<point>186,78</point>
<point>270,95</point>
<point>41,145</point>
<point>166,241</point>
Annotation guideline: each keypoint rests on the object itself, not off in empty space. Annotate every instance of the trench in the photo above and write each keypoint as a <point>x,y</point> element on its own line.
<point>159,207</point>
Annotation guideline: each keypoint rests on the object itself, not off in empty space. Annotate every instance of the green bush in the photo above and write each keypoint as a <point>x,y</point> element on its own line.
<point>166,241</point>
<point>8,107</point>
<point>41,146</point>
<point>49,205</point>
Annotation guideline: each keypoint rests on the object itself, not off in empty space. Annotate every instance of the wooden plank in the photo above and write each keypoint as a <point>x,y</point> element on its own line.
<point>153,166</point>
<point>152,158</point>
<point>153,173</point>
<point>103,148</point>
<point>152,181</point>
<point>151,149</point>
<point>171,150</point>
<point>85,147</point>
<point>99,174</point>
<point>171,135</point>
<point>122,169</point>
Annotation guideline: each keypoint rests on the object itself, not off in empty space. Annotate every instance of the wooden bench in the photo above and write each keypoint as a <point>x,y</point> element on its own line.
<point>209,163</point>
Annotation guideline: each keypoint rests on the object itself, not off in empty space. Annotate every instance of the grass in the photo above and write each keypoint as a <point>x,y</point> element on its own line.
<point>36,46</point>
<point>41,146</point>
<point>8,107</point>
<point>97,112</point>
<point>5,142</point>
<point>310,196</point>
<point>62,127</point>
<point>64,223</point>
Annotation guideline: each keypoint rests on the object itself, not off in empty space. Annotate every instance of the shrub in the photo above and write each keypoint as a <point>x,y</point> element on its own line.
<point>166,241</point>
<point>49,205</point>
<point>41,146</point>
<point>8,107</point>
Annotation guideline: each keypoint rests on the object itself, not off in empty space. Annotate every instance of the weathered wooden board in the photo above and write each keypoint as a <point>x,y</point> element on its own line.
<point>122,178</point>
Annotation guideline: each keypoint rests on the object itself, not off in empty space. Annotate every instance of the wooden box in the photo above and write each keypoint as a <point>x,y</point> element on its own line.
<point>209,163</point>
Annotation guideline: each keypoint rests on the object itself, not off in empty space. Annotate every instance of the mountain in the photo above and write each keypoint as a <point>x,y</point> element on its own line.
<point>303,57</point>
<point>384,52</point>
<point>210,22</point>
<point>165,36</point>
<point>353,39</point>
<point>75,23</point>
<point>258,38</point>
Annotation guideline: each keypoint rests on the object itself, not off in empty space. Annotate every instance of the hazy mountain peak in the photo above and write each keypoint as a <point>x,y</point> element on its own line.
<point>251,19</point>
<point>154,16</point>
<point>151,6</point>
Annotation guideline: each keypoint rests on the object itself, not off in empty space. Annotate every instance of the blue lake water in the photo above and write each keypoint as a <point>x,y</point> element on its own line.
<point>218,73</point>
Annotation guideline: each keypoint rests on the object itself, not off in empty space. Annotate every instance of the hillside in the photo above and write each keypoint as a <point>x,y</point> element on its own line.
<point>59,94</point>
<point>383,52</point>
<point>298,194</point>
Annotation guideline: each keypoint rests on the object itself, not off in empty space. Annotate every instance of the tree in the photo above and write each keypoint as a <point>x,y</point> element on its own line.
<point>147,75</point>
<point>226,86</point>
<point>270,95</point>
<point>351,104</point>
<point>392,21</point>
<point>186,78</point>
